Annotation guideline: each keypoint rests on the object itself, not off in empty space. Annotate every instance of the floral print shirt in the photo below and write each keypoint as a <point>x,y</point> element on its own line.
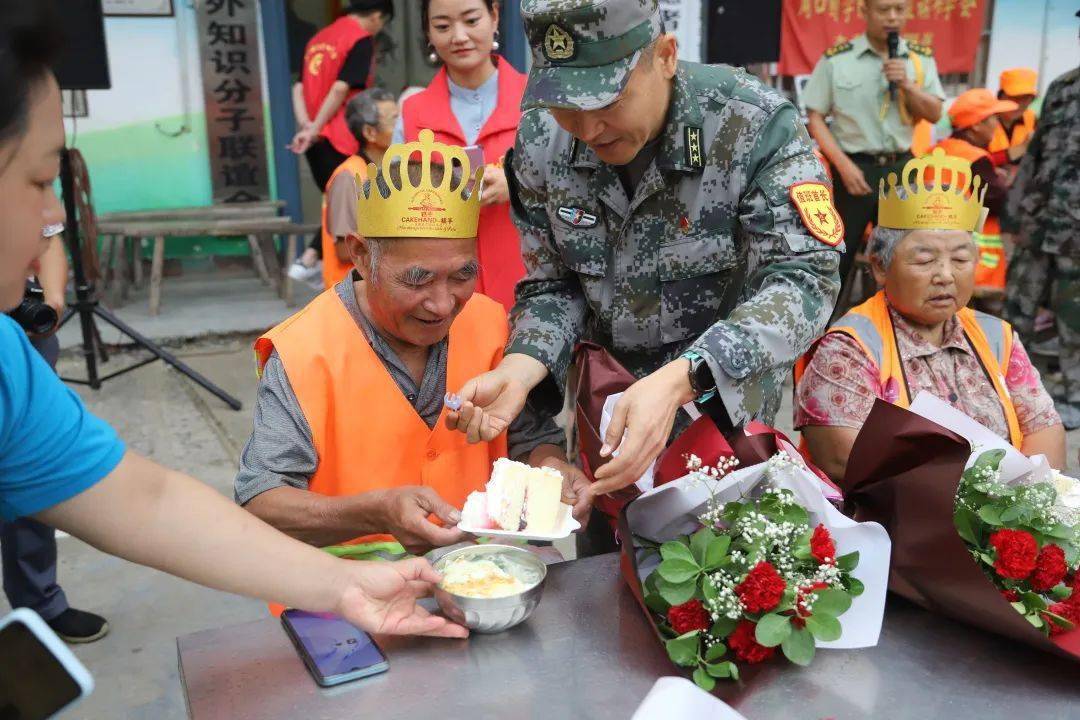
<point>841,382</point>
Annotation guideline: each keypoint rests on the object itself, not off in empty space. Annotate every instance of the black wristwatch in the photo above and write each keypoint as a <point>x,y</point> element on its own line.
<point>701,378</point>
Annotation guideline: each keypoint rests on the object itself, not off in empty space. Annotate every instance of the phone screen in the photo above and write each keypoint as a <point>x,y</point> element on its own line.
<point>333,646</point>
<point>33,683</point>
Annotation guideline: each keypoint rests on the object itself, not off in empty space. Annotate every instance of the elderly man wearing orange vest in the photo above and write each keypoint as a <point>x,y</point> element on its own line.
<point>974,116</point>
<point>1018,85</point>
<point>348,445</point>
<point>917,334</point>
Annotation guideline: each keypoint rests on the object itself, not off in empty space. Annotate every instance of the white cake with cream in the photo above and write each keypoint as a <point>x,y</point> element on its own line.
<point>518,497</point>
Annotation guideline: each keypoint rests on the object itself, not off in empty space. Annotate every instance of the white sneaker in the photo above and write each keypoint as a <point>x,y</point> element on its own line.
<point>311,276</point>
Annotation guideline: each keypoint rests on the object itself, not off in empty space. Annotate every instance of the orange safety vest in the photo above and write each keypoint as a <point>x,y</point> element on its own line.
<point>334,270</point>
<point>366,434</point>
<point>1021,131</point>
<point>871,327</point>
<point>990,270</point>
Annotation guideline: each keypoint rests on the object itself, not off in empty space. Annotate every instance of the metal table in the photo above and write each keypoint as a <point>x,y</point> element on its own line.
<point>587,652</point>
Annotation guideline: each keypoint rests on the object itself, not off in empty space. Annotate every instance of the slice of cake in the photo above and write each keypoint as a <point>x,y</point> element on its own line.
<point>518,497</point>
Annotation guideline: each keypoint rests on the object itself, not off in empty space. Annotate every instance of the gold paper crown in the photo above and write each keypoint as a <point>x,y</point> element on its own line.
<point>942,193</point>
<point>424,210</point>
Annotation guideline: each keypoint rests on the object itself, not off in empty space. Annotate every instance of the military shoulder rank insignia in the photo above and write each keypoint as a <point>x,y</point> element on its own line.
<point>692,141</point>
<point>838,48</point>
<point>815,205</point>
<point>576,217</point>
<point>921,49</point>
<point>558,44</point>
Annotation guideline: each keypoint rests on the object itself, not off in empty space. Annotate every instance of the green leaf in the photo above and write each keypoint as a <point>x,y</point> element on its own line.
<point>656,603</point>
<point>678,571</point>
<point>715,652</point>
<point>1035,620</point>
<point>796,515</point>
<point>1034,601</point>
<point>708,589</point>
<point>704,680</point>
<point>990,515</point>
<point>1064,623</point>
<point>675,550</point>
<point>699,542</point>
<point>772,629</point>
<point>716,552</point>
<point>967,525</point>
<point>824,627</point>
<point>855,586</point>
<point>799,647</point>
<point>990,458</point>
<point>1019,607</point>
<point>683,650</point>
<point>721,670</point>
<point>676,593</point>
<point>831,602</point>
<point>848,562</point>
<point>1014,512</point>
<point>723,627</point>
<point>1061,592</point>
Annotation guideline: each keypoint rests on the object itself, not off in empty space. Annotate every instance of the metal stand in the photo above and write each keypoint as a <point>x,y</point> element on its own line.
<point>87,308</point>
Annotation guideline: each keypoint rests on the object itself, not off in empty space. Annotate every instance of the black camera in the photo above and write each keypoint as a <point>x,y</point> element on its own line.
<point>33,314</point>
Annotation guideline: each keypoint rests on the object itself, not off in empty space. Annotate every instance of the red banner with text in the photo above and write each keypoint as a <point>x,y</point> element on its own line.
<point>810,27</point>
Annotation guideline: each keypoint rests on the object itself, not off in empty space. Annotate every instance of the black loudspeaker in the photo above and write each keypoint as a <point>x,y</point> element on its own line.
<point>741,32</point>
<point>84,63</point>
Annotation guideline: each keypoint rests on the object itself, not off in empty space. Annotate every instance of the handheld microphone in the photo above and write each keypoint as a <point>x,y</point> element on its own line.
<point>893,40</point>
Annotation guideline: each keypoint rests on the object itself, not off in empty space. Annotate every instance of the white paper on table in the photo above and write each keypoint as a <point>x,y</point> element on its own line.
<point>1013,466</point>
<point>671,510</point>
<point>646,481</point>
<point>677,697</point>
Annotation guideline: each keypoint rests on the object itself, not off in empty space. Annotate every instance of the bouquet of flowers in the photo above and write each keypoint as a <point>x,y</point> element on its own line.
<point>1026,538</point>
<point>988,538</point>
<point>737,566</point>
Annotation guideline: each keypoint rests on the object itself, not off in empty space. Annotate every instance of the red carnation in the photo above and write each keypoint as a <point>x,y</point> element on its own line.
<point>1050,568</point>
<point>1010,595</point>
<point>822,546</point>
<point>762,589</point>
<point>746,646</point>
<point>691,615</point>
<point>1067,610</point>
<point>1016,553</point>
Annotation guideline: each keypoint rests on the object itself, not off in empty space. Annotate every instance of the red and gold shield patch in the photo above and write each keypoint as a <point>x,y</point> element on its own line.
<point>815,204</point>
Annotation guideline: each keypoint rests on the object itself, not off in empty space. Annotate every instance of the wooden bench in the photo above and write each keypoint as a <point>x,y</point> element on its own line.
<point>220,222</point>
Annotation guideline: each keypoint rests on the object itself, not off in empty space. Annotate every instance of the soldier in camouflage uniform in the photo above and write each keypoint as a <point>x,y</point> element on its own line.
<point>670,211</point>
<point>1043,210</point>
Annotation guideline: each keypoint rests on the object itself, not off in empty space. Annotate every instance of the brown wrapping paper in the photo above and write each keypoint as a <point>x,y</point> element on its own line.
<point>903,472</point>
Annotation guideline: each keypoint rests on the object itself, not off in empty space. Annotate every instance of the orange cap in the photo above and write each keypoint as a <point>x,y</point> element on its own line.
<point>976,105</point>
<point>1019,81</point>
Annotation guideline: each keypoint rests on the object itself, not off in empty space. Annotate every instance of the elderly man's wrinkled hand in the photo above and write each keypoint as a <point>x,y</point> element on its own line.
<point>486,405</point>
<point>405,515</point>
<point>381,598</point>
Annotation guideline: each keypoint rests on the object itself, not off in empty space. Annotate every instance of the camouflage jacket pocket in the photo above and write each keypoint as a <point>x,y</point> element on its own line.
<point>694,278</point>
<point>586,253</point>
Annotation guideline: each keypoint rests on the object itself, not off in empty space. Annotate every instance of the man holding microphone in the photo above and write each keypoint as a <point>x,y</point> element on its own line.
<point>875,89</point>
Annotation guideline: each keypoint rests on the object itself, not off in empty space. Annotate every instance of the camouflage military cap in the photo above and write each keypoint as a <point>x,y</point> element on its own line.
<point>583,50</point>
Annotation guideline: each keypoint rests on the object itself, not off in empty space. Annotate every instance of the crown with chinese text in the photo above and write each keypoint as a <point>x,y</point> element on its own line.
<point>424,209</point>
<point>934,192</point>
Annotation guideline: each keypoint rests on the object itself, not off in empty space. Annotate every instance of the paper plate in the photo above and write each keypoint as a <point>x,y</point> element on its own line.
<point>566,526</point>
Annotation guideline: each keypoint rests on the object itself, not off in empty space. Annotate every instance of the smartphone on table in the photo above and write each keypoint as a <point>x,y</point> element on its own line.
<point>39,676</point>
<point>334,650</point>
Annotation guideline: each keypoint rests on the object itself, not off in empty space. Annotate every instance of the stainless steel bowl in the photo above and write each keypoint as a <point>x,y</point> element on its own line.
<point>491,615</point>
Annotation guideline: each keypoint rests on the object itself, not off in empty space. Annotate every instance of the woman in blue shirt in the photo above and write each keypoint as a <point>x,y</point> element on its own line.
<point>68,469</point>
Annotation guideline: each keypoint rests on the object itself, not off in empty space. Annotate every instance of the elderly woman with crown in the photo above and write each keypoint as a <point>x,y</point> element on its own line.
<point>917,332</point>
<point>347,444</point>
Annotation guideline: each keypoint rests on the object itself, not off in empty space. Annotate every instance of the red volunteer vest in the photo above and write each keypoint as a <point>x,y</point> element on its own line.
<point>323,57</point>
<point>498,245</point>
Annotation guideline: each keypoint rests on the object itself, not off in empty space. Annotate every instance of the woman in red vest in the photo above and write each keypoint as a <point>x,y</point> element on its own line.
<point>474,99</point>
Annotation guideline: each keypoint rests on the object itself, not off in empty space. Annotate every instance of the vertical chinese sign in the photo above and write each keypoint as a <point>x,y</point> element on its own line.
<point>232,88</point>
<point>951,28</point>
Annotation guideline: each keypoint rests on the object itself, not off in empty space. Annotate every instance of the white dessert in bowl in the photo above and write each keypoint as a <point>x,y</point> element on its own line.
<point>489,588</point>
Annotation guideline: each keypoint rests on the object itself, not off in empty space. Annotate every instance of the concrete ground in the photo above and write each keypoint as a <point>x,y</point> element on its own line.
<point>163,415</point>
